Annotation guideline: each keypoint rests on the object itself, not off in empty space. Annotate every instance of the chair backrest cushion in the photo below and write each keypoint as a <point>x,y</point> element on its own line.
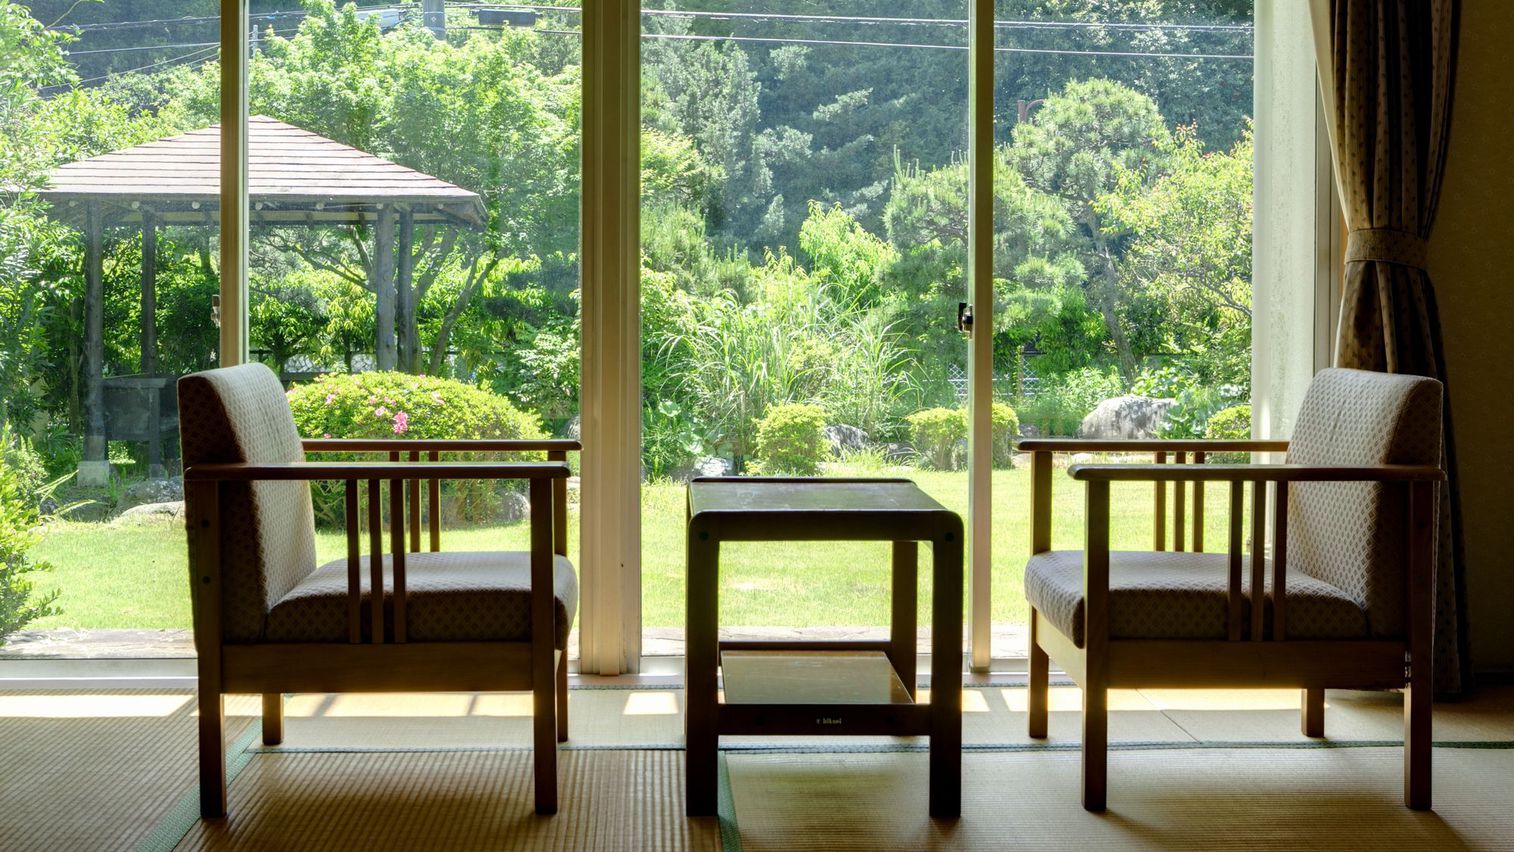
<point>240,415</point>
<point>1352,535</point>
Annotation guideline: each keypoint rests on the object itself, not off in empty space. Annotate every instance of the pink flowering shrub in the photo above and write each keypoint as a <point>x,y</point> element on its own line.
<point>399,405</point>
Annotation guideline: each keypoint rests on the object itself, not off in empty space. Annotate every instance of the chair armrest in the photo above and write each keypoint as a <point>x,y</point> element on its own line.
<point>1252,473</point>
<point>320,471</point>
<point>444,445</point>
<point>1138,445</point>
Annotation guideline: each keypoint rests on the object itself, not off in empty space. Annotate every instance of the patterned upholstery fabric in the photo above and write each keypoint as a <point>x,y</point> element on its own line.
<point>240,414</point>
<point>1354,536</point>
<point>449,597</point>
<point>1182,596</point>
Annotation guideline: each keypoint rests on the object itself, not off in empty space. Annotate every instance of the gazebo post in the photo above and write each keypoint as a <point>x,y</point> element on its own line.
<point>94,469</point>
<point>150,341</point>
<point>383,288</point>
<point>404,319</point>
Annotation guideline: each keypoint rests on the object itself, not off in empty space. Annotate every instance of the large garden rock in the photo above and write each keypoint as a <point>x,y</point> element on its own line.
<point>150,513</point>
<point>514,506</point>
<point>1138,417</point>
<point>170,490</point>
<point>845,439</point>
<point>712,466</point>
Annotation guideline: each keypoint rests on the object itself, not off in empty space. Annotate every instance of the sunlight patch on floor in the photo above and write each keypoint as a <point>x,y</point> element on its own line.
<point>651,704</point>
<point>1061,699</point>
<point>75,706</point>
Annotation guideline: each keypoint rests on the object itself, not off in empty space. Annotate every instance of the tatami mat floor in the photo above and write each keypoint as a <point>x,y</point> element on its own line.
<point>1192,769</point>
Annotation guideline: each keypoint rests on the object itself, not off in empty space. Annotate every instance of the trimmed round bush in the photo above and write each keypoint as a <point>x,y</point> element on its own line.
<point>1005,426</point>
<point>938,434</point>
<point>399,405</point>
<point>1233,423</point>
<point>791,439</point>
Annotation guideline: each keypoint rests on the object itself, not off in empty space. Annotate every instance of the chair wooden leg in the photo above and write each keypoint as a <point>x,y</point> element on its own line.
<point>1040,676</point>
<point>1312,712</point>
<point>212,755</point>
<point>273,718</point>
<point>1095,747</point>
<point>544,726</point>
<point>562,698</point>
<point>1417,744</point>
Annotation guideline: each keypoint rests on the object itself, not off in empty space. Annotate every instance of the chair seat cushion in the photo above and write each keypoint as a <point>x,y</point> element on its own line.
<point>449,597</point>
<point>1169,595</point>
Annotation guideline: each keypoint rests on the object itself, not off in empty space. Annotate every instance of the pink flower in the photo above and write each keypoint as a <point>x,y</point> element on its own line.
<point>327,435</point>
<point>330,398</point>
<point>437,398</point>
<point>381,411</point>
<point>401,423</point>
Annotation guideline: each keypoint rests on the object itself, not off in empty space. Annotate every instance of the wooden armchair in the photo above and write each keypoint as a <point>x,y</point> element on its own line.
<point>269,620</point>
<point>1346,598</point>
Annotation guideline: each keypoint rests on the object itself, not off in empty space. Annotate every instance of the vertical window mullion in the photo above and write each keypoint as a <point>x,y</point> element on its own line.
<point>234,203</point>
<point>980,357</point>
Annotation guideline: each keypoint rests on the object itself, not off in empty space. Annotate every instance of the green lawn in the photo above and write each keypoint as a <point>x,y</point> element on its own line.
<point>136,576</point>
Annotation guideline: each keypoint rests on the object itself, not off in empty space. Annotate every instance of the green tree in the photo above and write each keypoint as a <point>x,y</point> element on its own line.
<point>1081,144</point>
<point>1189,251</point>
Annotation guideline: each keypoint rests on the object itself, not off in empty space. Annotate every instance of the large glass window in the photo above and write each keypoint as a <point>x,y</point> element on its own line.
<point>413,240</point>
<point>413,273</point>
<point>108,280</point>
<point>1122,245</point>
<point>803,218</point>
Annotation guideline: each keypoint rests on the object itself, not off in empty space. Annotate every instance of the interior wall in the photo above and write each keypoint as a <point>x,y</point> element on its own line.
<point>1472,265</point>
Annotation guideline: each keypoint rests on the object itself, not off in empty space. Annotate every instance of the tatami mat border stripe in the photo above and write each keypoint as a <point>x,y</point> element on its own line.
<point>725,810</point>
<point>182,816</point>
<point>895,748</point>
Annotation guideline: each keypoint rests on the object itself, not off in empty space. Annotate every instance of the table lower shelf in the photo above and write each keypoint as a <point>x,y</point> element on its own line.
<point>851,693</point>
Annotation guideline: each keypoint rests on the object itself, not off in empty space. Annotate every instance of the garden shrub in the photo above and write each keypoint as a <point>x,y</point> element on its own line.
<point>669,443</point>
<point>400,405</point>
<point>1233,423</point>
<point>1006,426</point>
<point>938,433</point>
<point>20,484</point>
<point>791,439</point>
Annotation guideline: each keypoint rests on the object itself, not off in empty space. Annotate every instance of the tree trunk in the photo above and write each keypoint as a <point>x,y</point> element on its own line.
<point>1105,290</point>
<point>385,354</point>
<point>404,321</point>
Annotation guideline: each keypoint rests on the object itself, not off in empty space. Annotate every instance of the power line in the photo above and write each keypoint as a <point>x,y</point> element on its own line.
<point>850,43</point>
<point>204,54</point>
<point>875,19</point>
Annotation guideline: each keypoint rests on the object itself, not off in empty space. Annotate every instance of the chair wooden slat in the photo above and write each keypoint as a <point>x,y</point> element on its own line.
<point>1279,560</point>
<point>1258,559</point>
<point>414,489</point>
<point>376,561</point>
<point>1040,502</point>
<point>434,506</point>
<point>1179,507</point>
<point>1198,509</point>
<point>354,568</point>
<point>1159,532</point>
<point>397,548</point>
<point>559,507</point>
<point>1237,547</point>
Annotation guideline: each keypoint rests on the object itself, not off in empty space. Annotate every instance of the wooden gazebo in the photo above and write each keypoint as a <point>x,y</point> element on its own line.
<point>295,178</point>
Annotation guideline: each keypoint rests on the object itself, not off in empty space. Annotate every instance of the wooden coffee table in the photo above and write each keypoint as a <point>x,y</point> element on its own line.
<point>826,688</point>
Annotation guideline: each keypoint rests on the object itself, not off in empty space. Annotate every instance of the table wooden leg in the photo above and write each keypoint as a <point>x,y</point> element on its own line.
<point>905,615</point>
<point>946,675</point>
<point>702,657</point>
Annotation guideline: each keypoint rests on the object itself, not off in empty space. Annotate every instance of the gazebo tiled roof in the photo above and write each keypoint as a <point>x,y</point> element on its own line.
<point>294,177</point>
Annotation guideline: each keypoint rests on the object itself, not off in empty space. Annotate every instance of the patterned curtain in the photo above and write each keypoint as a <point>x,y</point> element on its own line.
<point>1386,71</point>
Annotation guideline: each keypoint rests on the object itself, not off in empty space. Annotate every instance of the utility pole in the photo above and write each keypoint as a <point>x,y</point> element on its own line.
<point>434,17</point>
